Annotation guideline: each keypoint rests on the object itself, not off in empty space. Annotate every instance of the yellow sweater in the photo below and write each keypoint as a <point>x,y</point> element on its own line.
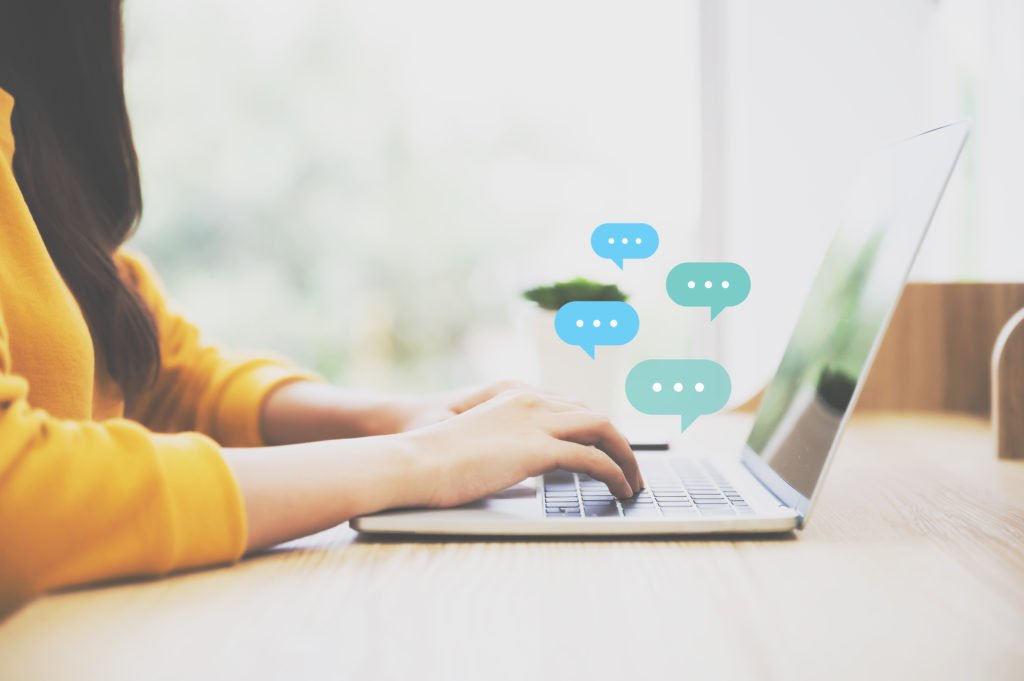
<point>85,493</point>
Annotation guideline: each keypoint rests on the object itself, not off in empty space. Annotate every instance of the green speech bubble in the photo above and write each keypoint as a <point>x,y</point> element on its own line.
<point>714,285</point>
<point>688,388</point>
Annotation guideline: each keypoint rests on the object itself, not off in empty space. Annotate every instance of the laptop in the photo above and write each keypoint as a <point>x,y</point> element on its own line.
<point>772,484</point>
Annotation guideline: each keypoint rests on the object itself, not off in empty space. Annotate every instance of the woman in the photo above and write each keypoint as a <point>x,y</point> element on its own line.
<point>127,447</point>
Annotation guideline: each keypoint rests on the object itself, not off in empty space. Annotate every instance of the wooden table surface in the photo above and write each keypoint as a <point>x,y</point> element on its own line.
<point>911,568</point>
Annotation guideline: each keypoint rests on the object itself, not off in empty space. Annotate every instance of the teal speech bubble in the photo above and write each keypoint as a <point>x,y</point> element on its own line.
<point>714,285</point>
<point>688,388</point>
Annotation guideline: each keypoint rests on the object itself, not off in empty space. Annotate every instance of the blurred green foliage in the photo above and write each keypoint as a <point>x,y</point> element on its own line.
<point>554,296</point>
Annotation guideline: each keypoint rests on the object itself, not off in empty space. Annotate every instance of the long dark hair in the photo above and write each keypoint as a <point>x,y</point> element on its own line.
<point>75,162</point>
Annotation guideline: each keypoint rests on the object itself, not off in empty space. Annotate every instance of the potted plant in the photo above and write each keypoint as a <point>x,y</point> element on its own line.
<point>567,369</point>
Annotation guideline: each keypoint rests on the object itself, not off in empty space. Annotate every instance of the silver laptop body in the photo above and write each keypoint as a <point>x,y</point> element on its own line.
<point>771,486</point>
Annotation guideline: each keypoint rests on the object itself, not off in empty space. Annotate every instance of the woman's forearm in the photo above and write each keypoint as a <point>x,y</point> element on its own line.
<point>295,490</point>
<point>306,412</point>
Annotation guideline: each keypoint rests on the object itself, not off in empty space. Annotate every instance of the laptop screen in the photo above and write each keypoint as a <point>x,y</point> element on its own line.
<point>847,310</point>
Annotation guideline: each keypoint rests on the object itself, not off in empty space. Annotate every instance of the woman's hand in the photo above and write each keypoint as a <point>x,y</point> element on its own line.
<point>308,412</point>
<point>412,413</point>
<point>501,440</point>
<point>293,490</point>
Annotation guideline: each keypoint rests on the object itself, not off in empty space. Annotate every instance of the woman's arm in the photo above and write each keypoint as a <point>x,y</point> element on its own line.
<point>294,490</point>
<point>306,411</point>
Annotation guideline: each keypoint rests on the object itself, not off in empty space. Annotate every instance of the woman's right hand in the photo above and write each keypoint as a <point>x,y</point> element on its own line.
<point>515,435</point>
<point>294,490</point>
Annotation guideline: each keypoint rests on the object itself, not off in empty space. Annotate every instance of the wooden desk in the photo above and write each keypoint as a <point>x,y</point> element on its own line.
<point>912,568</point>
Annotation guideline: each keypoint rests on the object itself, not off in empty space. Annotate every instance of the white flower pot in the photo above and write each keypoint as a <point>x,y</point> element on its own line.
<point>568,370</point>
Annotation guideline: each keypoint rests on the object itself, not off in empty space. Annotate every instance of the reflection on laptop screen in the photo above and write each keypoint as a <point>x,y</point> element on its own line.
<point>852,296</point>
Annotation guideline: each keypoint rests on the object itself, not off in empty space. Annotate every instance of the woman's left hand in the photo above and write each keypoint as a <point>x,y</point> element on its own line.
<point>418,412</point>
<point>307,411</point>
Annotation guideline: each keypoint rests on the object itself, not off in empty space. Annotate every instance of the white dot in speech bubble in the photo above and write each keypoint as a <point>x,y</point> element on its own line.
<point>656,387</point>
<point>678,387</point>
<point>613,323</point>
<point>579,323</point>
<point>692,284</point>
<point>725,284</point>
<point>699,387</point>
<point>597,323</point>
<point>707,284</point>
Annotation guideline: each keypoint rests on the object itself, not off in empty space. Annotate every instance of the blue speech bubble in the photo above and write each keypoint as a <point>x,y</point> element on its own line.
<point>621,241</point>
<point>714,285</point>
<point>687,388</point>
<point>589,323</point>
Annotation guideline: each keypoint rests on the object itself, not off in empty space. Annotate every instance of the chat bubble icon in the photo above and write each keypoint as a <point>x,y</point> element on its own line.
<point>589,323</point>
<point>621,241</point>
<point>714,285</point>
<point>688,388</point>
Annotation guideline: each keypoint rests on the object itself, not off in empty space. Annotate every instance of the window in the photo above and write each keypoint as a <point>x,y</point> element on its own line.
<point>808,88</point>
<point>367,187</point>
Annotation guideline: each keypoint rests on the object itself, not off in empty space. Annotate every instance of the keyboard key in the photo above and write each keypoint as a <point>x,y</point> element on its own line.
<point>716,510</point>
<point>679,511</point>
<point>602,511</point>
<point>645,512</point>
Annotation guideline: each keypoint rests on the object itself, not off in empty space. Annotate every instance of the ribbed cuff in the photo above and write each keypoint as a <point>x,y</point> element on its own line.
<point>207,513</point>
<point>238,415</point>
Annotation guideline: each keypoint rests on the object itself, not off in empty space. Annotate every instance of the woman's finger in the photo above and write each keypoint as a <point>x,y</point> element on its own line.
<point>579,458</point>
<point>588,428</point>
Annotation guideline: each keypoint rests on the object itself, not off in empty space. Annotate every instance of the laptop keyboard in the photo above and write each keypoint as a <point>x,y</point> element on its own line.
<point>674,489</point>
